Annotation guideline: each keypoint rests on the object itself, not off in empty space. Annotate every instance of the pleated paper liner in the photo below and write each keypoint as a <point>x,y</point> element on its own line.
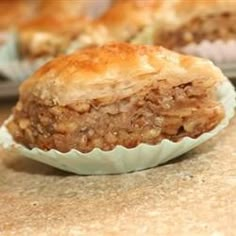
<point>121,159</point>
<point>221,52</point>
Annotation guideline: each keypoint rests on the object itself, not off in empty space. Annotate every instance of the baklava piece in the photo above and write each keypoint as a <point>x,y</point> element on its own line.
<point>125,19</point>
<point>12,13</point>
<point>49,36</point>
<point>117,94</point>
<point>198,20</point>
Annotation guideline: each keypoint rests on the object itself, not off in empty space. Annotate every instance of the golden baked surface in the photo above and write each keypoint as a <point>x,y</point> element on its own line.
<point>49,35</point>
<point>13,12</point>
<point>112,72</point>
<point>126,18</point>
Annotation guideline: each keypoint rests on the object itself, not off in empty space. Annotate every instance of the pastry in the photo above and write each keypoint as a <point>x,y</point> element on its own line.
<point>126,19</point>
<point>198,20</point>
<point>117,94</point>
<point>197,27</point>
<point>72,7</point>
<point>48,36</point>
<point>12,13</point>
<point>123,22</point>
<point>68,29</point>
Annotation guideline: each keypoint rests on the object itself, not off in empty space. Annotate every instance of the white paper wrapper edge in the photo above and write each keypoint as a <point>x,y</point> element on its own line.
<point>120,159</point>
<point>218,51</point>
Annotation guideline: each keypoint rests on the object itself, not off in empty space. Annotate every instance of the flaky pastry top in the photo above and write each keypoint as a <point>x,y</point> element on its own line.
<point>112,72</point>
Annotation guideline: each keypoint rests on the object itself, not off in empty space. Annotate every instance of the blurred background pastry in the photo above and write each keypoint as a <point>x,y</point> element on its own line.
<point>60,8</point>
<point>198,20</point>
<point>52,28</point>
<point>122,22</point>
<point>198,27</point>
<point>12,13</point>
<point>203,28</point>
<point>49,36</point>
<point>127,18</point>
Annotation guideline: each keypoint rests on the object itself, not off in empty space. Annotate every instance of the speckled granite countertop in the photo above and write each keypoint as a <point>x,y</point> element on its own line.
<point>193,195</point>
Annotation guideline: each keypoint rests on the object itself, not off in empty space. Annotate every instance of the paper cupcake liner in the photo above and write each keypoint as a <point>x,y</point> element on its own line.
<point>11,66</point>
<point>218,51</point>
<point>121,159</point>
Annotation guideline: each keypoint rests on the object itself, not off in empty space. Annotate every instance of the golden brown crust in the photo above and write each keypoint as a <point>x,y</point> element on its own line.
<point>13,12</point>
<point>125,18</point>
<point>112,72</point>
<point>49,35</point>
<point>60,8</point>
<point>203,7</point>
<point>53,24</point>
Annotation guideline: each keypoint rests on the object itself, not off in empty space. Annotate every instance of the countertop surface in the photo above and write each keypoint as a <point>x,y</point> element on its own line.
<point>192,195</point>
